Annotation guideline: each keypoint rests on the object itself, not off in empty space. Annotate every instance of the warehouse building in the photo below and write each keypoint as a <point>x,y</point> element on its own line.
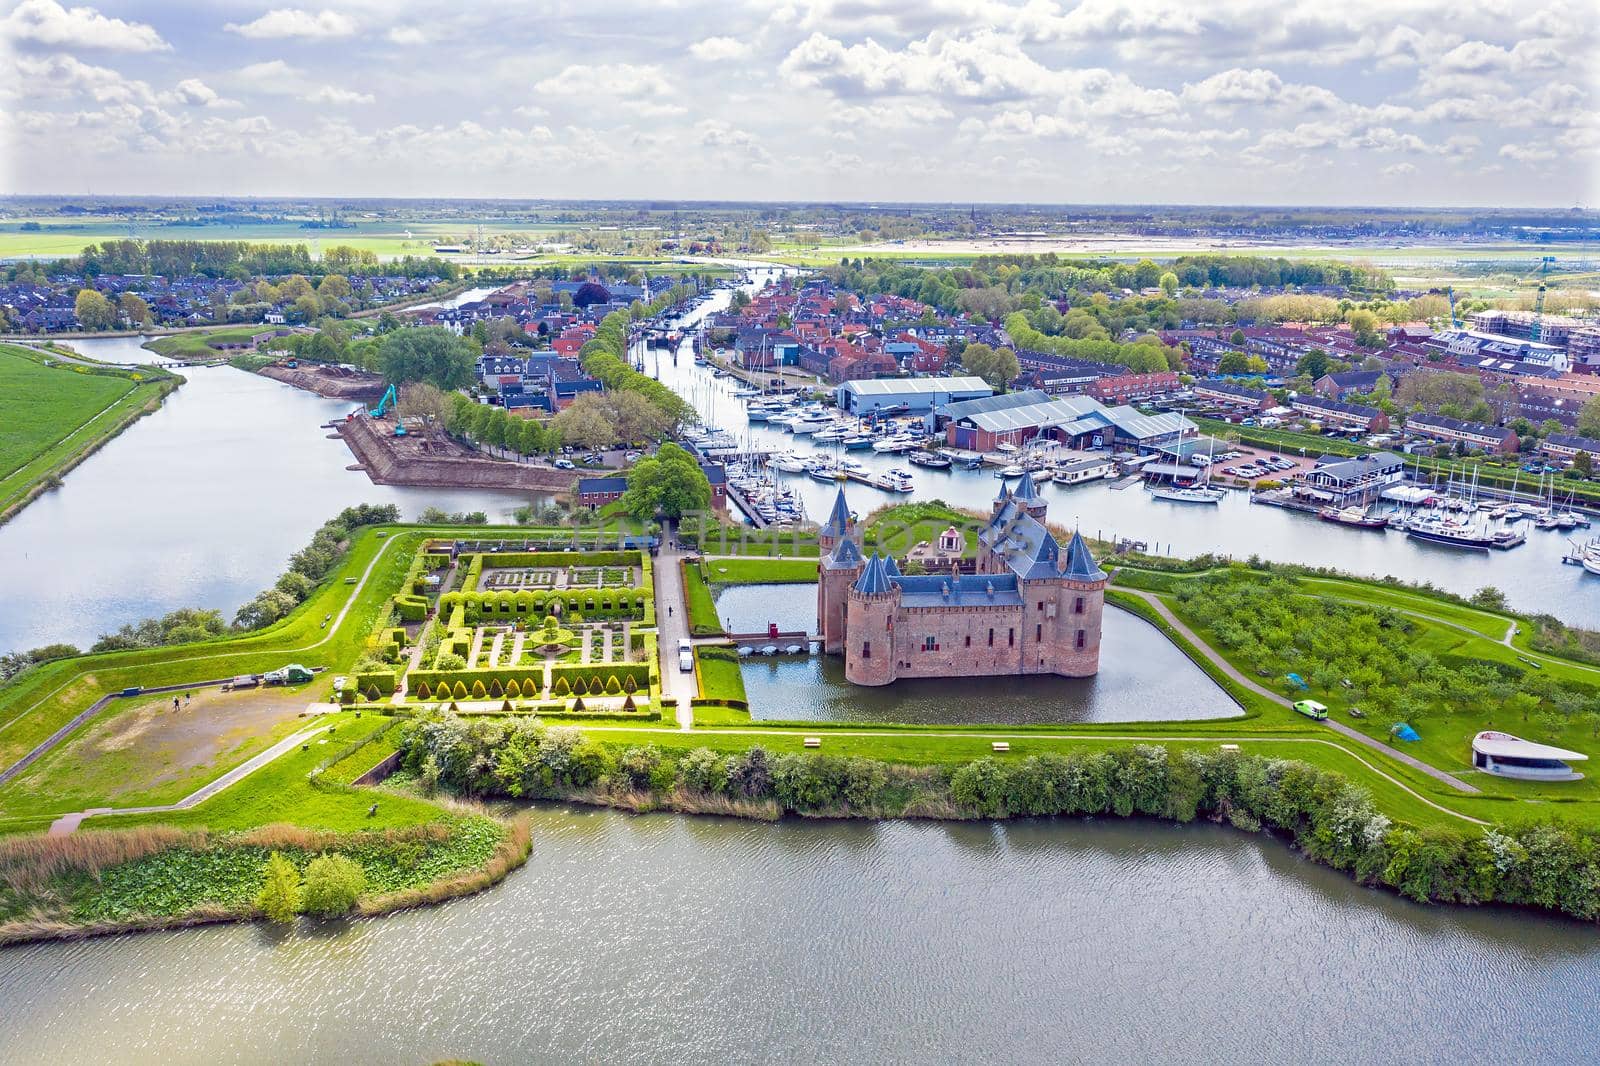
<point>1075,421</point>
<point>907,395</point>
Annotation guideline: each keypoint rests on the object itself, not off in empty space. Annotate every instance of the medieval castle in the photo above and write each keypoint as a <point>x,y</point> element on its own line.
<point>1031,606</point>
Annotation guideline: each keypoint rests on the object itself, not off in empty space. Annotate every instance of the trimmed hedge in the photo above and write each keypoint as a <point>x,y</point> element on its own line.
<point>506,605</point>
<point>410,608</point>
<point>381,680</point>
<point>508,560</point>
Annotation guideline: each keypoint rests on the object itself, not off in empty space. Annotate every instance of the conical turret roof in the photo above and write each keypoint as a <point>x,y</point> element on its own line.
<point>838,524</point>
<point>1027,491</point>
<point>874,579</point>
<point>1080,562</point>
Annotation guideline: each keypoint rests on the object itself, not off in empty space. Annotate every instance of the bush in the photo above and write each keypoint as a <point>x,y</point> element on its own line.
<point>280,896</point>
<point>333,883</point>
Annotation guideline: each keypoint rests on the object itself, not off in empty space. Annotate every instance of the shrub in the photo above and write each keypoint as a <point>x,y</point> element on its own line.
<point>513,690</point>
<point>280,896</point>
<point>613,686</point>
<point>496,689</point>
<point>561,687</point>
<point>460,691</point>
<point>422,690</point>
<point>333,884</point>
<point>478,691</point>
<point>703,770</point>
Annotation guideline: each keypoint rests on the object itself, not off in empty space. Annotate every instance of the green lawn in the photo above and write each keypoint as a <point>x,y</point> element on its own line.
<point>747,571</point>
<point>194,344</point>
<point>50,416</point>
<point>720,677</point>
<point>703,618</point>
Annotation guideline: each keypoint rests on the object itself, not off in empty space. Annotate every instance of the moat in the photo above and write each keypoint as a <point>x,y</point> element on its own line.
<point>1143,676</point>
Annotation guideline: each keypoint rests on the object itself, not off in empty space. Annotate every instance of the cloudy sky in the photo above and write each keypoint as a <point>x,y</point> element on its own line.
<point>1481,102</point>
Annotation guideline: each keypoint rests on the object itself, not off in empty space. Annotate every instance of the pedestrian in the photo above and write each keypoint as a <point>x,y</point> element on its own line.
<point>669,611</point>
<point>174,703</point>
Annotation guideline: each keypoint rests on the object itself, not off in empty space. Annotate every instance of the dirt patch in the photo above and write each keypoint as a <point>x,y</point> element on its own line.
<point>158,743</point>
<point>332,381</point>
<point>436,461</point>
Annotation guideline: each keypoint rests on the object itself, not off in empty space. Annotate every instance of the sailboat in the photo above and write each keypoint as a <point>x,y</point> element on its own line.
<point>1202,491</point>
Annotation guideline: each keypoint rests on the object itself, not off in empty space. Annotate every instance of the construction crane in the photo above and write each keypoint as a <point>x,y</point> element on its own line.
<point>1455,322</point>
<point>1536,331</point>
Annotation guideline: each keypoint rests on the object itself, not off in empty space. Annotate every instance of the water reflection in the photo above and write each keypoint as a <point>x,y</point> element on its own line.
<point>653,938</point>
<point>1143,677</point>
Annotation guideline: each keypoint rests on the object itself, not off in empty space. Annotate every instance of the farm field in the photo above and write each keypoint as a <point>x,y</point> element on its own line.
<point>52,415</point>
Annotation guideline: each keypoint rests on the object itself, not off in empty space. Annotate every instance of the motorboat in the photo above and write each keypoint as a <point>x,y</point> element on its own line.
<point>1449,532</point>
<point>931,460</point>
<point>855,442</point>
<point>1014,470</point>
<point>788,462</point>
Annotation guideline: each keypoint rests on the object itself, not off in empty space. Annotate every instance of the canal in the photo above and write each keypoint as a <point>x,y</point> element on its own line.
<point>1532,576</point>
<point>1143,677</point>
<point>663,938</point>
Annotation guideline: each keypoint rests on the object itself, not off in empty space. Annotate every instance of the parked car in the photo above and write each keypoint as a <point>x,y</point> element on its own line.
<point>685,656</point>
<point>564,464</point>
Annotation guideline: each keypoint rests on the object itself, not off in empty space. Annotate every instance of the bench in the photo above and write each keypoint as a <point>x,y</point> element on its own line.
<point>1001,745</point>
<point>1230,747</point>
<point>812,742</point>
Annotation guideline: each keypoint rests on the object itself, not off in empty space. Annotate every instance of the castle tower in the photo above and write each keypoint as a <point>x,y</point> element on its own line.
<point>840,565</point>
<point>1027,497</point>
<point>1002,497</point>
<point>873,601</point>
<point>837,571</point>
<point>1080,608</point>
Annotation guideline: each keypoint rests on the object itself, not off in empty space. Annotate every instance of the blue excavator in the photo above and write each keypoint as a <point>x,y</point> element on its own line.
<point>390,399</point>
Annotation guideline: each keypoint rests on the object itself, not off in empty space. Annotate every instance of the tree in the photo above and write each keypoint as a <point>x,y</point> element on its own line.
<point>279,898</point>
<point>1313,364</point>
<point>423,403</point>
<point>1365,325</point>
<point>94,311</point>
<point>334,287</point>
<point>670,483</point>
<point>1589,418</point>
<point>591,293</point>
<point>588,422</point>
<point>1169,284</point>
<point>1233,363</point>
<point>1583,465</point>
<point>996,366</point>
<point>134,309</point>
<point>1237,338</point>
<point>1254,364</point>
<point>426,353</point>
<point>333,884</point>
<point>1490,597</point>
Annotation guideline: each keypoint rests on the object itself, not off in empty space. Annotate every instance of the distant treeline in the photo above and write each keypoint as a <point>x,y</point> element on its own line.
<point>241,260</point>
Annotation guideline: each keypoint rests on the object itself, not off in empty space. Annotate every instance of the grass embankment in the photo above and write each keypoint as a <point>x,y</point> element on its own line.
<point>196,345</point>
<point>703,618</point>
<point>52,417</point>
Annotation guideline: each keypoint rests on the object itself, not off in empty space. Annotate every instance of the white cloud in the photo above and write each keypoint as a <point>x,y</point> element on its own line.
<point>293,22</point>
<point>332,94</point>
<point>716,49</point>
<point>407,35</point>
<point>192,92</point>
<point>1528,153</point>
<point>46,22</point>
<point>605,79</point>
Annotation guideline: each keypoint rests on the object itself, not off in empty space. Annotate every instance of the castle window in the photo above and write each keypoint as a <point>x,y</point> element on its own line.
<point>991,638</point>
<point>969,640</point>
<point>1041,605</point>
<point>929,644</point>
<point>866,646</point>
<point>1011,638</point>
<point>1077,605</point>
<point>1038,631</point>
<point>1082,637</point>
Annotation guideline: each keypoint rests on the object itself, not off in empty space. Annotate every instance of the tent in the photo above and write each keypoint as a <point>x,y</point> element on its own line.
<point>1403,731</point>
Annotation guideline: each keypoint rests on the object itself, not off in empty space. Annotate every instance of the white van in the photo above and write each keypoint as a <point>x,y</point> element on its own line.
<point>686,656</point>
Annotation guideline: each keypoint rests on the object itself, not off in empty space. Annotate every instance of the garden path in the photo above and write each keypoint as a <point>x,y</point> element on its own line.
<point>494,649</point>
<point>68,823</point>
<point>672,625</point>
<point>1338,727</point>
<point>477,646</point>
<point>517,642</point>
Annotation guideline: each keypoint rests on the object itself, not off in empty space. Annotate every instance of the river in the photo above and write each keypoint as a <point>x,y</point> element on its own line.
<point>1532,576</point>
<point>663,938</point>
<point>199,504</point>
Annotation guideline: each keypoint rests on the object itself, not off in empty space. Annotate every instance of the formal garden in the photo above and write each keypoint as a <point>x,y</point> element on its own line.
<point>563,633</point>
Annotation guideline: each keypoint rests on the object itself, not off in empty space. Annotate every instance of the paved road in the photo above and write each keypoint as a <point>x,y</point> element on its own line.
<point>1249,683</point>
<point>68,823</point>
<point>672,625</point>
